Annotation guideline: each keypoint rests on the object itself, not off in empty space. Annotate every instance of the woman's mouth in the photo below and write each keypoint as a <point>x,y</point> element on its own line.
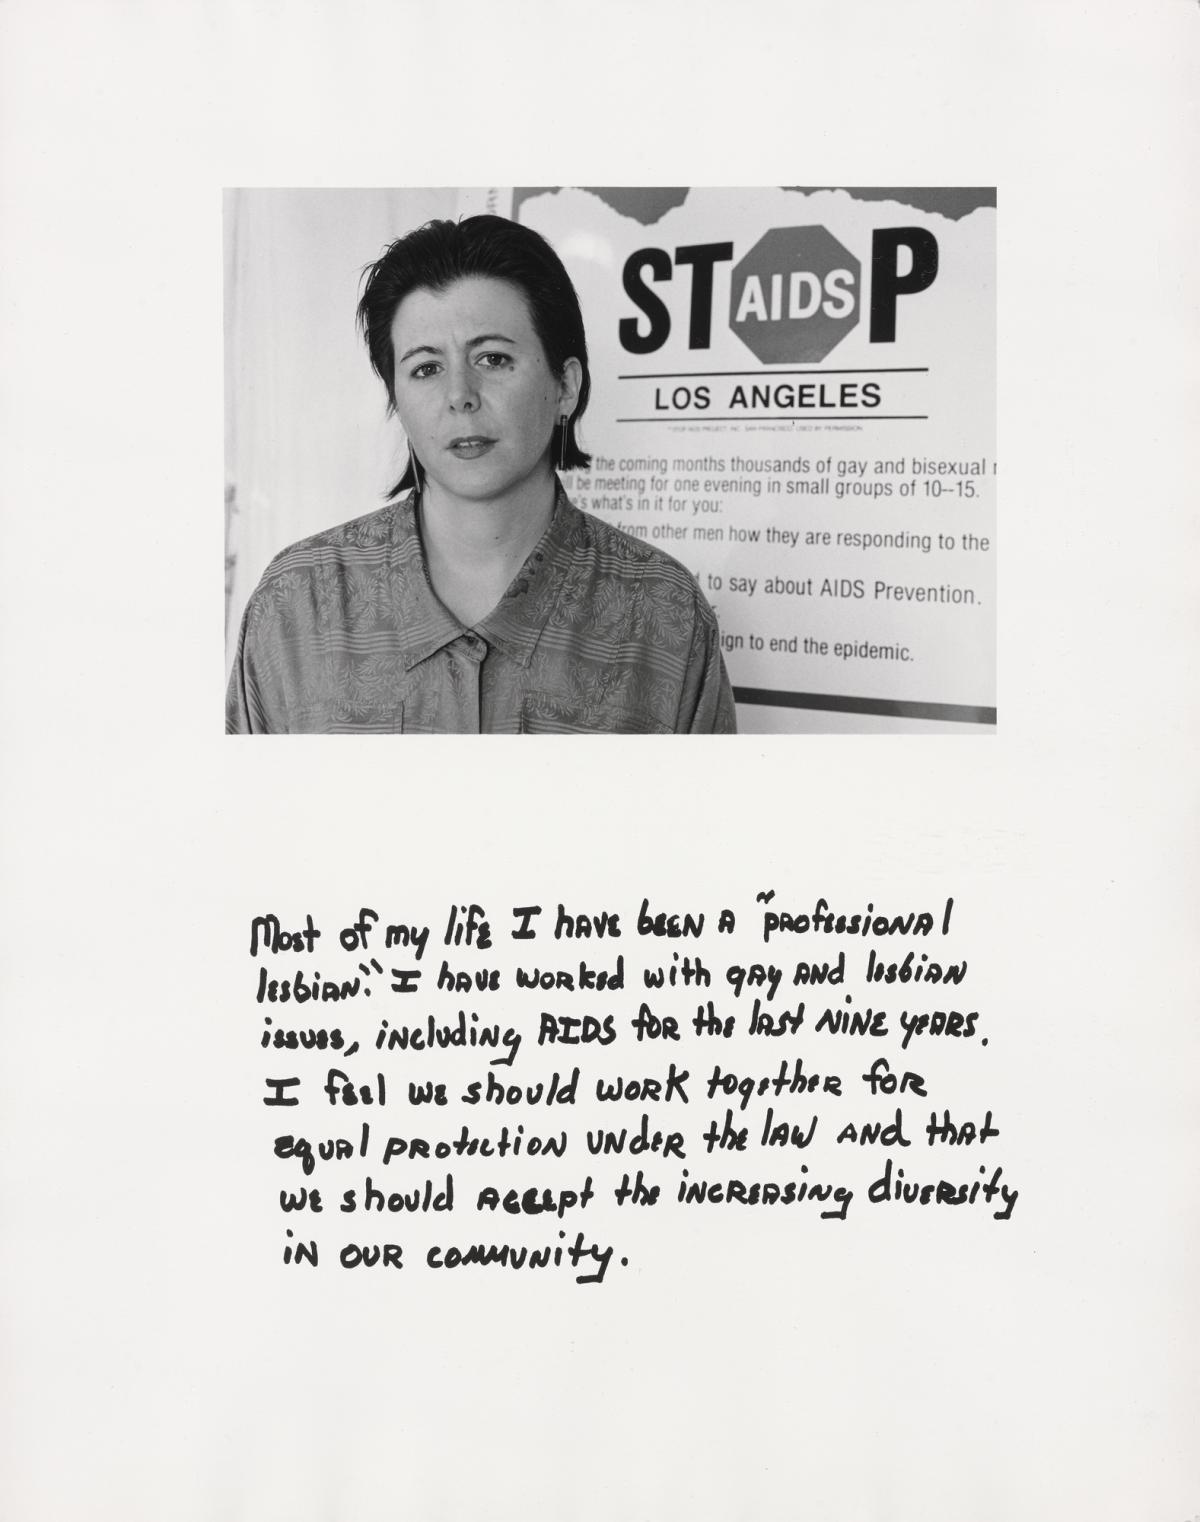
<point>471,447</point>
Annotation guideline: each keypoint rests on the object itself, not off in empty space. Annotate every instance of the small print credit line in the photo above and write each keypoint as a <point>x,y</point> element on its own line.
<point>788,417</point>
<point>771,374</point>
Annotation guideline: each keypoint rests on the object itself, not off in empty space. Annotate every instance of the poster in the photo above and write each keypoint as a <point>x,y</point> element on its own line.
<point>795,395</point>
<point>916,1364</point>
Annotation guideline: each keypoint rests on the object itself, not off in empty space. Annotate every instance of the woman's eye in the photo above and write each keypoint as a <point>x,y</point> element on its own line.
<point>422,371</point>
<point>495,361</point>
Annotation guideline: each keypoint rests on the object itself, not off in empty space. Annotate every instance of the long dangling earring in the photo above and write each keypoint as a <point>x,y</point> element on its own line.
<point>562,443</point>
<point>416,474</point>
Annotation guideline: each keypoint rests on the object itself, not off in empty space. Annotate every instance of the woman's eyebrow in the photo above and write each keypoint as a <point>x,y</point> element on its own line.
<point>484,338</point>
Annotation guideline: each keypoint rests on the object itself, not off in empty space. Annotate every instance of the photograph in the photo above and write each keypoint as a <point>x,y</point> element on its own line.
<point>644,461</point>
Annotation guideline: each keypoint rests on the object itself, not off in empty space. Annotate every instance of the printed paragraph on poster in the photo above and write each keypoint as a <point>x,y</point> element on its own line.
<point>545,1085</point>
<point>832,558</point>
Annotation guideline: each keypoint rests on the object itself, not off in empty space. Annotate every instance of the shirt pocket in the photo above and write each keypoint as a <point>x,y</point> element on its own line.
<point>387,720</point>
<point>547,716</point>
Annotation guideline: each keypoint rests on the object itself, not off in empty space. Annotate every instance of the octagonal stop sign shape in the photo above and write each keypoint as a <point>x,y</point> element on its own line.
<point>795,295</point>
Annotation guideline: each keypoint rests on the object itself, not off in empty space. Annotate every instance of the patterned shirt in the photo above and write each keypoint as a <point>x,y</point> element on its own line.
<point>598,633</point>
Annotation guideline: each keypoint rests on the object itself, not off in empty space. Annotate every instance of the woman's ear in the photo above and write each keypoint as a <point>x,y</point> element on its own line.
<point>568,386</point>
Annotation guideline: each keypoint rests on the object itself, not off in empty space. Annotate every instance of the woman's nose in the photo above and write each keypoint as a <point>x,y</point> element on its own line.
<point>463,391</point>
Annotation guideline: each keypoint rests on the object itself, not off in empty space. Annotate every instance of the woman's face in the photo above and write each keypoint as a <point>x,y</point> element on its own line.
<point>474,391</point>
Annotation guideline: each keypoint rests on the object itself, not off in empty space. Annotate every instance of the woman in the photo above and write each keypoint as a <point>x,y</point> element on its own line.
<point>479,600</point>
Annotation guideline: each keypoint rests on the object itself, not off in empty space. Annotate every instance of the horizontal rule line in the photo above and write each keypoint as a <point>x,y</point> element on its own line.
<point>818,417</point>
<point>958,713</point>
<point>771,374</point>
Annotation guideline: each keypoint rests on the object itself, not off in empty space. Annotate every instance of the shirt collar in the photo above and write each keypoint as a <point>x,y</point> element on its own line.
<point>515,624</point>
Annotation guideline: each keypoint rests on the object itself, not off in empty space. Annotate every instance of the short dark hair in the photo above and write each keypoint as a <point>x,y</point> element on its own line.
<point>434,257</point>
